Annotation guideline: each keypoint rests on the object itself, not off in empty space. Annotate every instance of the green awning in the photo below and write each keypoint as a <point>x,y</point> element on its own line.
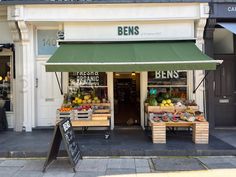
<point>128,57</point>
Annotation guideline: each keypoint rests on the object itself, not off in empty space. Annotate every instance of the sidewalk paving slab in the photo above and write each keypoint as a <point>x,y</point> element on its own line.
<point>218,162</point>
<point>143,170</point>
<point>141,163</point>
<point>120,171</point>
<point>33,165</point>
<point>59,174</point>
<point>8,171</point>
<point>177,164</point>
<point>13,163</point>
<point>28,174</point>
<point>121,163</point>
<point>89,174</point>
<point>92,165</point>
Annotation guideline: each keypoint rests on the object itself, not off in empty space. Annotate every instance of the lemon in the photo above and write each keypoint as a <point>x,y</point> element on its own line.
<point>164,101</point>
<point>168,101</point>
<point>171,104</point>
<point>162,104</point>
<point>166,104</point>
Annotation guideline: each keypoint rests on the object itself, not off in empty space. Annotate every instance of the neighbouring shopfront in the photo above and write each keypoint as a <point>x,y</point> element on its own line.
<point>117,59</point>
<point>220,44</point>
<point>7,83</point>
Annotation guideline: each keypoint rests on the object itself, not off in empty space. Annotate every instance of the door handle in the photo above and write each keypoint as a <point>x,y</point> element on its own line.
<point>214,86</point>
<point>36,82</point>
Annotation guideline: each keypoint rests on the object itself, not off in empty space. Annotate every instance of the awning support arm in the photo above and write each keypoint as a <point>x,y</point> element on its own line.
<point>207,72</point>
<point>59,85</point>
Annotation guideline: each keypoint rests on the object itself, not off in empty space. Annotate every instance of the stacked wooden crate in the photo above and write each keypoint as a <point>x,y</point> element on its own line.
<point>158,132</point>
<point>201,132</point>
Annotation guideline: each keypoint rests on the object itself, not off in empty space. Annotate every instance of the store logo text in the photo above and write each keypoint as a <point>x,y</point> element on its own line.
<point>167,75</point>
<point>127,30</point>
<point>232,9</point>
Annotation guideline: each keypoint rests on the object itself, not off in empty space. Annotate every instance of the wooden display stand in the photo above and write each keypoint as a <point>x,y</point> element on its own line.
<point>200,130</point>
<point>99,117</point>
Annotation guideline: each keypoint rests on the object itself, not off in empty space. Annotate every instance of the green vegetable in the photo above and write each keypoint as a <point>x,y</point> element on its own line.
<point>153,101</point>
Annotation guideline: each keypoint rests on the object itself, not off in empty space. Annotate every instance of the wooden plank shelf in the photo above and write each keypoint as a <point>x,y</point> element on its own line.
<point>200,133</point>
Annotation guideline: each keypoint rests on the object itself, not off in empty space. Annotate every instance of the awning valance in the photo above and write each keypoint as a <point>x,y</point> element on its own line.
<point>128,57</point>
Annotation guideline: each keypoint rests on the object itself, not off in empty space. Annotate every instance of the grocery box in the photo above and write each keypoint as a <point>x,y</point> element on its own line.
<point>152,109</point>
<point>167,108</point>
<point>65,114</point>
<point>82,115</point>
<point>180,108</point>
<point>194,108</point>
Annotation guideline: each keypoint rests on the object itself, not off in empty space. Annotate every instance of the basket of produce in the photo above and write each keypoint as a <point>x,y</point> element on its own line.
<point>64,112</point>
<point>199,116</point>
<point>83,112</point>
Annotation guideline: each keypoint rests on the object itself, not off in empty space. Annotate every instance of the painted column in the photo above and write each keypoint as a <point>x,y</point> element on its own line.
<point>24,87</point>
<point>143,94</point>
<point>199,95</point>
<point>110,87</point>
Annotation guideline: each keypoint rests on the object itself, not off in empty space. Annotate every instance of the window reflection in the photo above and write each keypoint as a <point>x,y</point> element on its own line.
<point>5,83</point>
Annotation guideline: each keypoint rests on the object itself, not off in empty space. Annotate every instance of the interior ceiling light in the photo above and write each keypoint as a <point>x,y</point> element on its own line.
<point>133,74</point>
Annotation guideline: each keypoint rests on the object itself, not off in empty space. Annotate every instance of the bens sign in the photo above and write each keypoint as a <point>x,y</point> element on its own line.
<point>127,30</point>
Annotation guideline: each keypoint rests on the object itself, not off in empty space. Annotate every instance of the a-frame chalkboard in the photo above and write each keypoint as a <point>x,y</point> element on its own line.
<point>63,132</point>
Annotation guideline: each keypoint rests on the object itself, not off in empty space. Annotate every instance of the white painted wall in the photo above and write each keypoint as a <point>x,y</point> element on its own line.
<point>110,12</point>
<point>151,30</point>
<point>5,33</point>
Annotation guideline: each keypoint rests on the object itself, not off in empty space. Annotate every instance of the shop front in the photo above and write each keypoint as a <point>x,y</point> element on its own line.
<point>117,59</point>
<point>220,44</point>
<point>7,77</point>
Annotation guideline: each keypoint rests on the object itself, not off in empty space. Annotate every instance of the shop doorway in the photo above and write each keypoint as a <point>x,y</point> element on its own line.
<point>49,97</point>
<point>127,99</point>
<point>222,82</point>
<point>225,92</point>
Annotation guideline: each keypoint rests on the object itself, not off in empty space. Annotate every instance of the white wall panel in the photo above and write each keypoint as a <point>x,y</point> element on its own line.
<point>5,33</point>
<point>165,30</point>
<point>111,12</point>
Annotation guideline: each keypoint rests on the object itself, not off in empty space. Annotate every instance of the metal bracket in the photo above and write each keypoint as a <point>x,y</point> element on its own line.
<point>59,85</point>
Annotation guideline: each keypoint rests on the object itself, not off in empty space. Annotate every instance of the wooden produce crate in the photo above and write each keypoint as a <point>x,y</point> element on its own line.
<point>152,109</point>
<point>194,108</point>
<point>99,116</point>
<point>82,115</point>
<point>167,109</point>
<point>101,111</point>
<point>62,115</point>
<point>181,108</point>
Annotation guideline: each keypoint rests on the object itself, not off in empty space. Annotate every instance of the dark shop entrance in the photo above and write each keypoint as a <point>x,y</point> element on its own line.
<point>127,98</point>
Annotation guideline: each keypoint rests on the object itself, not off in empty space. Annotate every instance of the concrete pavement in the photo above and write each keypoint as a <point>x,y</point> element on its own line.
<point>213,166</point>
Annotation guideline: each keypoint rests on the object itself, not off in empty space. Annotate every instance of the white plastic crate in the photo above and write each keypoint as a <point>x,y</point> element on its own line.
<point>63,115</point>
<point>82,115</point>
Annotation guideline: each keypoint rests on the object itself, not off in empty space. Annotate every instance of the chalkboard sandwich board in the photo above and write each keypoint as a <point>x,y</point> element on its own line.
<point>63,132</point>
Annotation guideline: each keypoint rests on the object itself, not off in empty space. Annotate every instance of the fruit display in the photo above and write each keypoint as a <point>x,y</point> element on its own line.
<point>153,101</point>
<point>156,119</point>
<point>81,106</point>
<point>177,116</point>
<point>167,103</point>
<point>165,118</point>
<point>64,109</point>
<point>175,119</point>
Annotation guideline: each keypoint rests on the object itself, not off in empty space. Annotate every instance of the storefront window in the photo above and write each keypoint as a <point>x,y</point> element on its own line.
<point>169,83</point>
<point>88,83</point>
<point>5,83</point>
